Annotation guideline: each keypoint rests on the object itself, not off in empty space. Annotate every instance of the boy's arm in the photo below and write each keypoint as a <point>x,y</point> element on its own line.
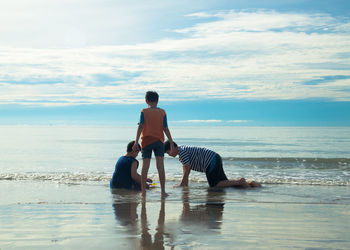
<point>136,176</point>
<point>168,135</point>
<point>186,172</point>
<point>138,133</point>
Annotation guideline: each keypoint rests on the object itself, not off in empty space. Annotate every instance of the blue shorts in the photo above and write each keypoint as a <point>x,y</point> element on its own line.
<point>157,147</point>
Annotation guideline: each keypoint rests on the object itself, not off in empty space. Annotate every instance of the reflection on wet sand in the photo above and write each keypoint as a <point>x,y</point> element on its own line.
<point>125,210</point>
<point>205,216</point>
<point>126,214</point>
<point>146,238</point>
<point>194,221</point>
<point>125,205</point>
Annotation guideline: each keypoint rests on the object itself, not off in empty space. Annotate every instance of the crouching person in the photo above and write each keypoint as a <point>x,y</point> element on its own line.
<point>207,161</point>
<point>125,174</point>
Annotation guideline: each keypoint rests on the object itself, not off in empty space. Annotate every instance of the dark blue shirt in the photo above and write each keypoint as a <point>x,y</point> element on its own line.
<point>122,174</point>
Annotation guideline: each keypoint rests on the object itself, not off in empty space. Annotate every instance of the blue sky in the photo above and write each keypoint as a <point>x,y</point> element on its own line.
<point>230,63</point>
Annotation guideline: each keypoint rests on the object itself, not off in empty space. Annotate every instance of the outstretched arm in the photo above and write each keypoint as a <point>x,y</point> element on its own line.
<point>186,172</point>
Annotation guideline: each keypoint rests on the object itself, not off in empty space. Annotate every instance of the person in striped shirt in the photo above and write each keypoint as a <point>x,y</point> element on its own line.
<point>204,160</point>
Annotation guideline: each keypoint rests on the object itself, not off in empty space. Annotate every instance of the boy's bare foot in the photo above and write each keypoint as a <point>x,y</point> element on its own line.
<point>243,183</point>
<point>254,184</point>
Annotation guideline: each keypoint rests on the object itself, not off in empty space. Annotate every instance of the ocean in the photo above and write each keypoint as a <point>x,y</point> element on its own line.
<point>270,155</point>
<point>54,189</point>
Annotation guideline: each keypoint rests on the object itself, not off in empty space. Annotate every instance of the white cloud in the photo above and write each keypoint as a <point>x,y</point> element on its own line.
<point>74,23</point>
<point>212,121</point>
<point>241,55</point>
<point>259,21</point>
<point>237,121</point>
<point>199,121</point>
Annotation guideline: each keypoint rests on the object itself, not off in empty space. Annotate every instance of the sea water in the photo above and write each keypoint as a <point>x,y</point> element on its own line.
<point>87,154</point>
<point>54,190</point>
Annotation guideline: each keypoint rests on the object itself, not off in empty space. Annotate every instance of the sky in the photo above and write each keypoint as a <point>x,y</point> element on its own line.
<point>228,63</point>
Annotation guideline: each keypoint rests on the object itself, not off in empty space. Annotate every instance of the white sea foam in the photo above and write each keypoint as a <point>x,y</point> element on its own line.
<point>104,178</point>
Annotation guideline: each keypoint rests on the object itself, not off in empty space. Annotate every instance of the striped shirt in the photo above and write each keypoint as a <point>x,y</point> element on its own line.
<point>198,158</point>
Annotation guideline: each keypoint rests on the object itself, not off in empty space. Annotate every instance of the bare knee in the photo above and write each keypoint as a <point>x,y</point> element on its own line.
<point>160,161</point>
<point>146,163</point>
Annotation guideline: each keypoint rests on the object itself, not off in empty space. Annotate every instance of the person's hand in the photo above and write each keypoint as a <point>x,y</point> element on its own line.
<point>135,147</point>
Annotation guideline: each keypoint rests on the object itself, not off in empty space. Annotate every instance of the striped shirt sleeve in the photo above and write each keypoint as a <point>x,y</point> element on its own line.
<point>184,157</point>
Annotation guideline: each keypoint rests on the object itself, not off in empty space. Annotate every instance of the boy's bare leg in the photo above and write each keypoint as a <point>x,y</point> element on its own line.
<point>161,174</point>
<point>145,166</point>
<point>233,183</point>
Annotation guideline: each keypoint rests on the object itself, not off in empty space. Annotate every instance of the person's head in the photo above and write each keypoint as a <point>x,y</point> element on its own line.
<point>151,97</point>
<point>167,149</point>
<point>132,152</point>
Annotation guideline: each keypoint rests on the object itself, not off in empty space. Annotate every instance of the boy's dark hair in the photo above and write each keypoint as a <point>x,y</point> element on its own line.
<point>152,96</point>
<point>129,147</point>
<point>167,145</point>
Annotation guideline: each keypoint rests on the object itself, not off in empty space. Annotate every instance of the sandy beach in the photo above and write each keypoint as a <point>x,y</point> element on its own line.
<point>91,217</point>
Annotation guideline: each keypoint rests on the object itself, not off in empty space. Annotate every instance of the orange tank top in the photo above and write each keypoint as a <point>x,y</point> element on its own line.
<point>153,126</point>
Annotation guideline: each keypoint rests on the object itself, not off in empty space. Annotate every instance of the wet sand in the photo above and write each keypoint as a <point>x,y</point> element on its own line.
<point>45,215</point>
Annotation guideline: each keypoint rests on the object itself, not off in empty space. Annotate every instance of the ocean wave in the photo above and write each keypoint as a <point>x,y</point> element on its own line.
<point>293,181</point>
<point>104,178</point>
<point>315,163</point>
<point>69,178</point>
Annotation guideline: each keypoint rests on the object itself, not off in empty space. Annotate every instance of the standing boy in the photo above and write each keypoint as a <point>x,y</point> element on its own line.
<point>125,174</point>
<point>152,126</point>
